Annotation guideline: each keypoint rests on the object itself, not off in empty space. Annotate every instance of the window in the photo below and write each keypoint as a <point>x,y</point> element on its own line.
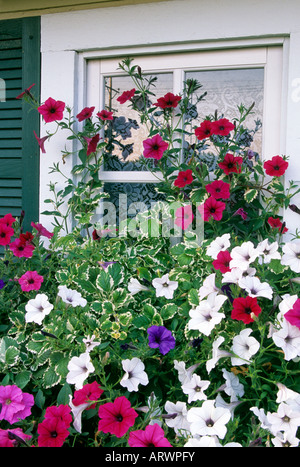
<point>230,77</point>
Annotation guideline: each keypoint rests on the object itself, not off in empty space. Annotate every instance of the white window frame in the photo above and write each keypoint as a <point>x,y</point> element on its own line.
<point>93,66</point>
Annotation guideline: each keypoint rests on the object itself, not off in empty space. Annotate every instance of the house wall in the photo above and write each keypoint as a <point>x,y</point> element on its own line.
<point>174,25</point>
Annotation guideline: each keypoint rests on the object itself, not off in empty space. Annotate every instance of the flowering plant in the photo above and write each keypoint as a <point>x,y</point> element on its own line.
<point>138,341</point>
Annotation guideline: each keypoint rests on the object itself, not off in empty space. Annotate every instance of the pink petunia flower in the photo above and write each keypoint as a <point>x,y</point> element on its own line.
<point>31,280</point>
<point>222,261</point>
<point>184,178</point>
<point>52,433</point>
<point>204,130</point>
<point>42,230</point>
<point>184,216</point>
<point>152,436</point>
<point>218,189</point>
<point>8,219</point>
<point>116,417</point>
<point>22,249</point>
<point>293,315</point>
<point>212,208</point>
<point>126,96</point>
<point>231,164</point>
<point>15,404</point>
<point>92,144</point>
<point>155,147</point>
<point>89,393</point>
<point>105,115</point>
<point>6,233</point>
<point>26,92</point>
<point>62,412</point>
<point>241,212</point>
<point>87,112</point>
<point>276,166</point>
<point>41,141</point>
<point>168,101</point>
<point>12,437</point>
<point>52,110</point>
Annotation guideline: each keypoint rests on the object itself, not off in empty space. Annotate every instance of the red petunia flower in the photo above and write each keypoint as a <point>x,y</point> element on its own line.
<point>244,308</point>
<point>184,178</point>
<point>276,223</point>
<point>293,315</point>
<point>218,189</point>
<point>6,232</point>
<point>87,112</point>
<point>21,248</point>
<point>222,127</point>
<point>41,141</point>
<point>231,164</point>
<point>116,417</point>
<point>89,393</point>
<point>92,144</point>
<point>212,208</point>
<point>204,130</point>
<point>8,219</point>
<point>152,436</point>
<point>105,115</point>
<point>168,101</point>
<point>126,96</point>
<point>52,433</point>
<point>276,166</point>
<point>222,261</point>
<point>31,280</point>
<point>52,110</point>
<point>155,147</point>
<point>184,216</point>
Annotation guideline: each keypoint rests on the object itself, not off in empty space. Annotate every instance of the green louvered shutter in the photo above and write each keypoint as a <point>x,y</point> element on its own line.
<point>19,152</point>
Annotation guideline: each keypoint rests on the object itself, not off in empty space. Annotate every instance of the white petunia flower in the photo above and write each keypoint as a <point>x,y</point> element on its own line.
<point>242,256</point>
<point>209,420</point>
<point>134,374</point>
<point>262,417</point>
<point>177,420</point>
<point>90,343</point>
<point>285,305</point>
<point>219,244</point>
<point>135,286</point>
<point>79,369</point>
<point>183,373</point>
<point>216,354</point>
<point>37,309</point>
<point>202,442</point>
<point>285,394</point>
<point>255,288</point>
<point>164,286</point>
<point>288,339</point>
<point>284,440</point>
<point>285,419</point>
<point>77,411</point>
<point>268,251</point>
<point>244,347</point>
<point>206,315</point>
<point>233,387</point>
<point>208,286</point>
<point>71,297</point>
<point>227,405</point>
<point>194,388</point>
<point>291,255</point>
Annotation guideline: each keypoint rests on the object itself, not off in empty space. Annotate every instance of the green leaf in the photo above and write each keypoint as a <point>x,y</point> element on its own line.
<point>50,378</point>
<point>63,395</point>
<point>23,378</point>
<point>104,282</point>
<point>250,195</point>
<point>40,399</point>
<point>168,311</point>
<point>193,297</point>
<point>12,356</point>
<point>276,267</point>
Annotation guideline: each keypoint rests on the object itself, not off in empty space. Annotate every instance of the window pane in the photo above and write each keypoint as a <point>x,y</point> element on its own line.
<point>130,133</point>
<point>227,89</point>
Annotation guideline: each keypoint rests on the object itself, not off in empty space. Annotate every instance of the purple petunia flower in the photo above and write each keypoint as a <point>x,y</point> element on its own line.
<point>2,284</point>
<point>161,337</point>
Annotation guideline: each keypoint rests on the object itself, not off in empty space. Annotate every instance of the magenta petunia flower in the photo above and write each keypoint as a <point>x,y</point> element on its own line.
<point>92,144</point>
<point>152,436</point>
<point>222,127</point>
<point>116,417</point>
<point>126,96</point>
<point>26,92</point>
<point>41,141</point>
<point>168,101</point>
<point>15,404</point>
<point>212,208</point>
<point>52,110</point>
<point>276,166</point>
<point>63,412</point>
<point>241,212</point>
<point>161,338</point>
<point>218,189</point>
<point>222,261</point>
<point>231,164</point>
<point>22,249</point>
<point>204,130</point>
<point>155,147</point>
<point>52,432</point>
<point>87,112</point>
<point>105,115</point>
<point>184,178</point>
<point>42,230</point>
<point>6,233</point>
<point>8,219</point>
<point>184,216</point>
<point>89,393</point>
<point>293,315</point>
<point>31,280</point>
<point>12,437</point>
<point>244,308</point>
